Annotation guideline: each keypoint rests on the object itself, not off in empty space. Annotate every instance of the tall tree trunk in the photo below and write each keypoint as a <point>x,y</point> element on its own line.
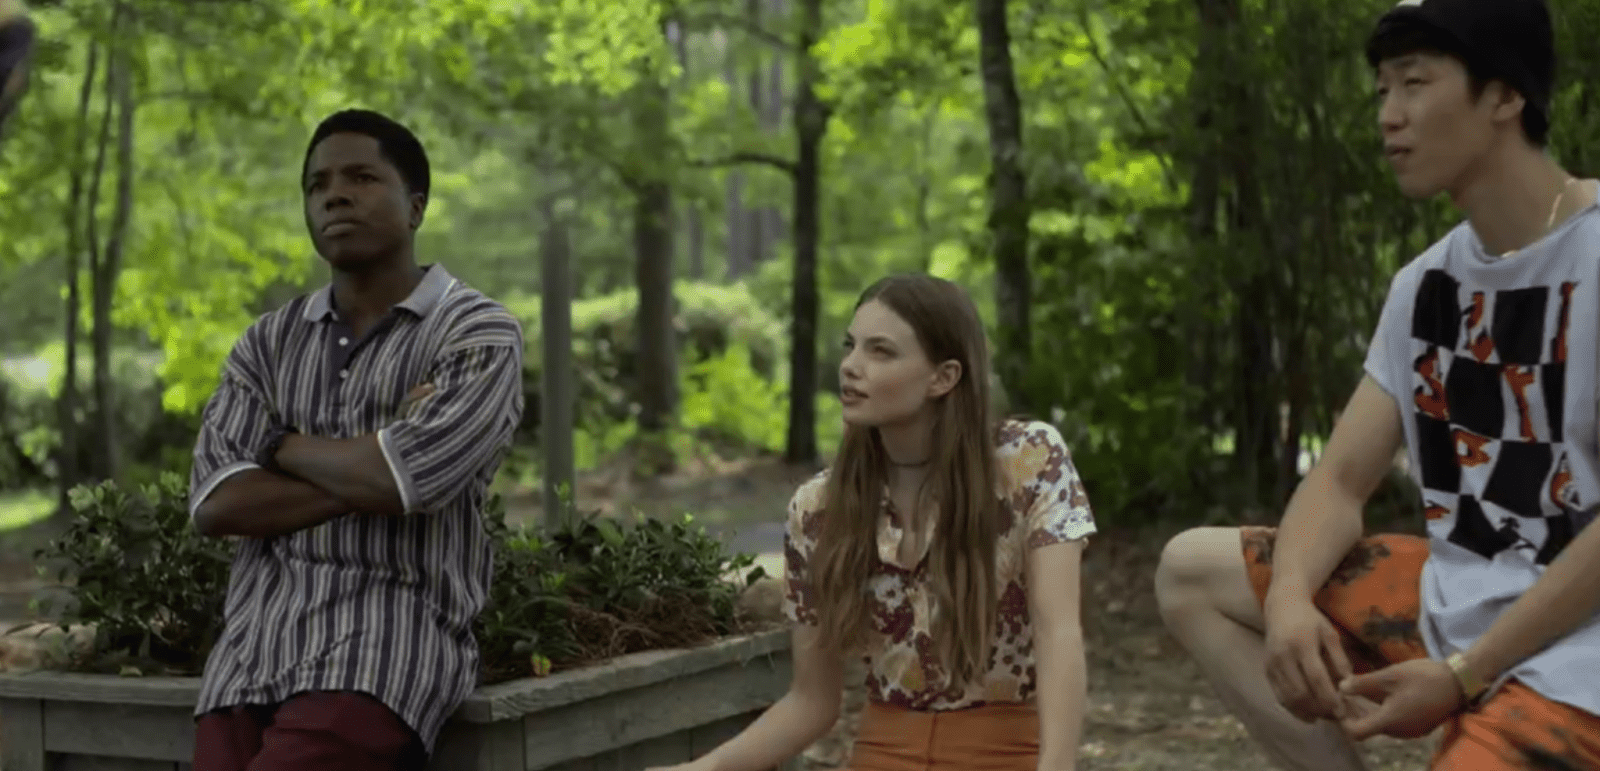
<point>694,225</point>
<point>772,116</point>
<point>652,244</point>
<point>556,397</point>
<point>925,238</point>
<point>733,212</point>
<point>757,239</point>
<point>811,116</point>
<point>98,456</point>
<point>1009,209</point>
<point>68,467</point>
<point>120,82</point>
<point>1255,411</point>
<point>653,274</point>
<point>1205,201</point>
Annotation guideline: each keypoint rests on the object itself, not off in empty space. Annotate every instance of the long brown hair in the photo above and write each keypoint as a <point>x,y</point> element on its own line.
<point>962,480</point>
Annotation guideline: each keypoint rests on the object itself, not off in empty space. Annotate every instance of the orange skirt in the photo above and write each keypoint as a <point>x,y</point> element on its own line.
<point>995,737</point>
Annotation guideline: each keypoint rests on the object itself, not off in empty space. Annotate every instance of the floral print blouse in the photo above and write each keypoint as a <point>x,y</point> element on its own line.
<point>1045,504</point>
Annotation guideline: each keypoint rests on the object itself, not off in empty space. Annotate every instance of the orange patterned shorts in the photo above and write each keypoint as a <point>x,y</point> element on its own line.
<point>1373,599</point>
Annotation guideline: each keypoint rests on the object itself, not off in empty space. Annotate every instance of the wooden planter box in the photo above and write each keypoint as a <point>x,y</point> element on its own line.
<point>655,708</point>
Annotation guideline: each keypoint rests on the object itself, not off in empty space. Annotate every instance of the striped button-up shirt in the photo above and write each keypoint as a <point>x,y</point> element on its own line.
<point>379,605</point>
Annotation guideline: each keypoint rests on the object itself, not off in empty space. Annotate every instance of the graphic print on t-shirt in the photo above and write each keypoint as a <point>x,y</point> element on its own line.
<point>1490,386</point>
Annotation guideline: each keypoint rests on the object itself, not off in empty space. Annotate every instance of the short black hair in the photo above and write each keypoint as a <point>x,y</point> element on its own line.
<point>1404,38</point>
<point>396,143</point>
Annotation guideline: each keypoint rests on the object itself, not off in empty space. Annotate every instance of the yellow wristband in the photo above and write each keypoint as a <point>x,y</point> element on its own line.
<point>1471,685</point>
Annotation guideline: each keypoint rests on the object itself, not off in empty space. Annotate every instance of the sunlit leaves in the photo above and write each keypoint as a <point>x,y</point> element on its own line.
<point>918,44</point>
<point>1139,178</point>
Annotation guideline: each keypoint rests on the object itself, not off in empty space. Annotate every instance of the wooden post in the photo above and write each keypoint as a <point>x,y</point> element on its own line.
<point>556,418</point>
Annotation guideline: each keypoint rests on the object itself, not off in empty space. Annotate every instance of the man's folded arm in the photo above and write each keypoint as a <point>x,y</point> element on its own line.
<point>230,494</point>
<point>421,461</point>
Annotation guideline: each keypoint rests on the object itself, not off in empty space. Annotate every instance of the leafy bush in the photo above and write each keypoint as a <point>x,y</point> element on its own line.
<point>27,437</point>
<point>134,568</point>
<point>30,437</point>
<point>710,319</point>
<point>593,589</point>
<point>726,400</point>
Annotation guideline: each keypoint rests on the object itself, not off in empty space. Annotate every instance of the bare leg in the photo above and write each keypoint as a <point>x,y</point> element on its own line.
<point>1208,605</point>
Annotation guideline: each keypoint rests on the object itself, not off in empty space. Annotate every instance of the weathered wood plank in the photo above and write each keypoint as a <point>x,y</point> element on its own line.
<point>708,737</point>
<point>640,710</point>
<point>103,689</point>
<point>712,735</point>
<point>22,735</point>
<point>661,751</point>
<point>480,747</point>
<point>527,696</point>
<point>582,764</point>
<point>102,763</point>
<point>622,718</point>
<point>488,704</point>
<point>119,730</point>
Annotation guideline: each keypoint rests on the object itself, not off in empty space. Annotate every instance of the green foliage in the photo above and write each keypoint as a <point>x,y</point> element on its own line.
<point>137,570</point>
<point>134,567</point>
<point>727,401</point>
<point>710,319</point>
<point>27,434</point>
<point>1212,227</point>
<point>597,588</point>
<point>147,435</point>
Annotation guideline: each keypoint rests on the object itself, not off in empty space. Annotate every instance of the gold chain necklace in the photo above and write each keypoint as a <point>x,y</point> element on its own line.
<point>1550,222</point>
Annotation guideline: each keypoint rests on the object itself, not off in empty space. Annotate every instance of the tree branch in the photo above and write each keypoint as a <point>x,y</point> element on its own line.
<point>782,164</point>
<point>1122,93</point>
<point>728,21</point>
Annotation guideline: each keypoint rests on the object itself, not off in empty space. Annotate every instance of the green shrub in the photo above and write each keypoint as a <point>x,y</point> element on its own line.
<point>132,566</point>
<point>136,569</point>
<point>725,400</point>
<point>594,589</point>
<point>27,435</point>
<point>30,436</point>
<point>709,320</point>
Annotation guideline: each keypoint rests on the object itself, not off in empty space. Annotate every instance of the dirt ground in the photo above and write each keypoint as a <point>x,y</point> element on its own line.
<point>1149,709</point>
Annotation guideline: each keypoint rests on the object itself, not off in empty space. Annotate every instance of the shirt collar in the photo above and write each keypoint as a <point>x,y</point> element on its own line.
<point>436,283</point>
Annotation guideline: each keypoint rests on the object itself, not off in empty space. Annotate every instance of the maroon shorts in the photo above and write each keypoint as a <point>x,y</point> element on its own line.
<point>316,731</point>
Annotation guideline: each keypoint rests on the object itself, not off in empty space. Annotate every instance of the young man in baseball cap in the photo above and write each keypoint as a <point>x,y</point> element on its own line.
<point>1483,367</point>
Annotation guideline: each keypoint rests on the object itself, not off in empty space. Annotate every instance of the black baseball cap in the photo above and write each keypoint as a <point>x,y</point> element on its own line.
<point>1506,40</point>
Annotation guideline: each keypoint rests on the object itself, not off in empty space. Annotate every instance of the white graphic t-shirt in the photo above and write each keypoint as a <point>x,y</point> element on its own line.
<point>1493,365</point>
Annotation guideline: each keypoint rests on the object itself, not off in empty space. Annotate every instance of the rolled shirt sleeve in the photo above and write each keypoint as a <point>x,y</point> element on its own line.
<point>467,423</point>
<point>236,419</point>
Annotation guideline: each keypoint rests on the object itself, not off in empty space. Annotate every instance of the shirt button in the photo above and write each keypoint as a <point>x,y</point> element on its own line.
<point>344,373</point>
<point>344,341</point>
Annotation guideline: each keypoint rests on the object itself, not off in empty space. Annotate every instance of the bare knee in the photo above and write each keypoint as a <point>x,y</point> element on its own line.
<point>1189,558</point>
<point>1202,571</point>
